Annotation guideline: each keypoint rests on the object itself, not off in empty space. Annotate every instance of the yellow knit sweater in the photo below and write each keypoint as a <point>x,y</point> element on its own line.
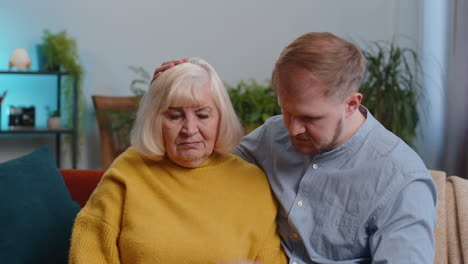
<point>146,211</point>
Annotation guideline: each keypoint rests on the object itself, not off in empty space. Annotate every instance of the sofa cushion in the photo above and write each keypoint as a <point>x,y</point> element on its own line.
<point>37,212</point>
<point>81,183</point>
<point>451,232</point>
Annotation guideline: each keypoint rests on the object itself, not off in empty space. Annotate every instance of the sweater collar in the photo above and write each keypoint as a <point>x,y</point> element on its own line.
<point>213,159</point>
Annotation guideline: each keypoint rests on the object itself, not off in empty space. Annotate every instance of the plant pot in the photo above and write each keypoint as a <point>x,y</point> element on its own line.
<point>42,61</point>
<point>40,58</point>
<point>54,123</point>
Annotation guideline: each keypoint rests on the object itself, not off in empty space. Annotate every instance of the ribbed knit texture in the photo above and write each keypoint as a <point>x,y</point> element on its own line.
<point>451,233</point>
<point>145,211</point>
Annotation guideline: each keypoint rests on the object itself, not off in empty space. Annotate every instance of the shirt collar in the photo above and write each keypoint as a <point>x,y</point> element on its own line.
<point>355,141</point>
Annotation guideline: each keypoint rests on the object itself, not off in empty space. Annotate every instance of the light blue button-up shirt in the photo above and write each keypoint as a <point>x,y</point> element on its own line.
<point>371,200</point>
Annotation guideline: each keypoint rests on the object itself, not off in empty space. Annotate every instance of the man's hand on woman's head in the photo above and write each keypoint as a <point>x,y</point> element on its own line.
<point>167,65</point>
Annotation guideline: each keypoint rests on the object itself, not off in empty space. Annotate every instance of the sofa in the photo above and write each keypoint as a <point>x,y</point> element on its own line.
<point>451,233</point>
<point>40,202</point>
<point>81,183</point>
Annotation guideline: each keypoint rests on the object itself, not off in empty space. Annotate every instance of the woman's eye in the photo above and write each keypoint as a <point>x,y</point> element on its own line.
<point>201,116</point>
<point>175,117</point>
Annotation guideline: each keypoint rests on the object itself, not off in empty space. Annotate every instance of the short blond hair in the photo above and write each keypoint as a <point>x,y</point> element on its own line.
<point>180,86</point>
<point>339,64</point>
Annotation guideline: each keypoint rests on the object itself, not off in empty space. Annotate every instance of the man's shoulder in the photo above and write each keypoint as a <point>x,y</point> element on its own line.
<point>274,123</point>
<point>273,129</point>
<point>274,120</point>
<point>271,138</point>
<point>274,126</point>
<point>397,153</point>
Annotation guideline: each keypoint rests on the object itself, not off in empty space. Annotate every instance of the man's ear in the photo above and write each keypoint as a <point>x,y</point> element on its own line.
<point>353,101</point>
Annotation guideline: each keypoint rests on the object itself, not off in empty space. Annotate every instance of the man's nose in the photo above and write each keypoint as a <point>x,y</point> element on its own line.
<point>295,127</point>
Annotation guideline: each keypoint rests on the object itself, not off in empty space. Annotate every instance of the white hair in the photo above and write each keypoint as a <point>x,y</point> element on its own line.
<point>176,87</point>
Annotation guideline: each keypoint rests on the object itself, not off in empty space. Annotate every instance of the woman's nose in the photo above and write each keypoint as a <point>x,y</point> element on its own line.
<point>189,126</point>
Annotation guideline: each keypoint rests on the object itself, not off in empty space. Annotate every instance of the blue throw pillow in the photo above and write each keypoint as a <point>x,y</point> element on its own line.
<point>36,210</point>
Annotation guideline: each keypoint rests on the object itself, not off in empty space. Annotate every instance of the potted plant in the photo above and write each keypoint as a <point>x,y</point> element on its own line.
<point>140,84</point>
<point>392,88</point>
<point>253,103</point>
<point>60,54</point>
<point>54,121</point>
<point>123,120</point>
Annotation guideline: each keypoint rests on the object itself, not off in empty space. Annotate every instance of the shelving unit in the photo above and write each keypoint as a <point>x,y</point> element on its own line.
<point>73,131</point>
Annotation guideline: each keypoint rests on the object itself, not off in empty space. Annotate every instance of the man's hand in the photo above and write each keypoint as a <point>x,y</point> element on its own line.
<point>167,65</point>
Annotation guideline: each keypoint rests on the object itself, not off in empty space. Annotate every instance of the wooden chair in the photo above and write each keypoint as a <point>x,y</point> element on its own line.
<point>115,116</point>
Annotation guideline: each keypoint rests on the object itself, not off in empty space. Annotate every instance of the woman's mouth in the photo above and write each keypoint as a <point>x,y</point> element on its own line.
<point>190,144</point>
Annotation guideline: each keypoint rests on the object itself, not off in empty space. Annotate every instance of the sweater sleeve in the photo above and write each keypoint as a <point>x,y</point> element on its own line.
<point>93,241</point>
<point>271,256</point>
<point>97,227</point>
<point>271,251</point>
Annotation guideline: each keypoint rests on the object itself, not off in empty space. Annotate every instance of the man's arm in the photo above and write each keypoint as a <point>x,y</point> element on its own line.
<point>249,145</point>
<point>403,230</point>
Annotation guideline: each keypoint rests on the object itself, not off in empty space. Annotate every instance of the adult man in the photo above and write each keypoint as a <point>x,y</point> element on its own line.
<point>349,191</point>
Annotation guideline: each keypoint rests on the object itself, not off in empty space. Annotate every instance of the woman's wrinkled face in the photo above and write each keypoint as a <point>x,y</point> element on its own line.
<point>190,132</point>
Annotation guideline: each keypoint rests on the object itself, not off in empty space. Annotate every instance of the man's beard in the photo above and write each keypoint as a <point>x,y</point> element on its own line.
<point>316,148</point>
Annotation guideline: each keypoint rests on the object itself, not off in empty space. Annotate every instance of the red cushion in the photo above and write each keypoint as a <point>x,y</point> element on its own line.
<point>81,183</point>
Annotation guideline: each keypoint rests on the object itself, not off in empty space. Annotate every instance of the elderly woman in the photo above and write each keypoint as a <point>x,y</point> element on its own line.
<point>177,195</point>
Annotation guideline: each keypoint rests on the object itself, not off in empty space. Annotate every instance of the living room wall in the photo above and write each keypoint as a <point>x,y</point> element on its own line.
<point>241,39</point>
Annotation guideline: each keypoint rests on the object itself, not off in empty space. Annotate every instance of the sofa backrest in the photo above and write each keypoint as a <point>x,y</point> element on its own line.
<point>81,183</point>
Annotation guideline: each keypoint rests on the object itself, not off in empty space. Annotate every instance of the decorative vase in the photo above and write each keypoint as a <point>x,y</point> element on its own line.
<point>19,59</point>
<point>54,123</point>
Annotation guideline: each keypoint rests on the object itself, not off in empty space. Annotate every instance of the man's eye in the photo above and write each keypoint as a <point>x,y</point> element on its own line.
<point>201,116</point>
<point>309,119</point>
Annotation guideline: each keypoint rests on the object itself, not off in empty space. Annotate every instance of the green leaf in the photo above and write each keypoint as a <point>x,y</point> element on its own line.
<point>391,87</point>
<point>253,102</point>
<point>61,54</point>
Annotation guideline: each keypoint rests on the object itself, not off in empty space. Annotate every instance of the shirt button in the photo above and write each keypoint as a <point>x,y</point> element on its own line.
<point>299,203</point>
<point>295,235</point>
<point>315,166</point>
